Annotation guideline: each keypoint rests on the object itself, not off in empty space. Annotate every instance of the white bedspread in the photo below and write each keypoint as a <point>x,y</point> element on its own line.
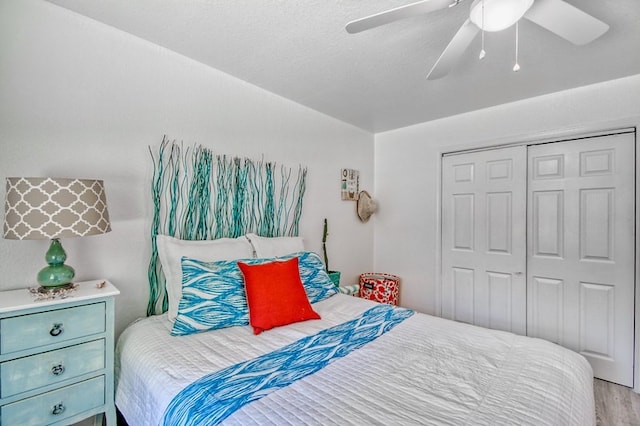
<point>427,370</point>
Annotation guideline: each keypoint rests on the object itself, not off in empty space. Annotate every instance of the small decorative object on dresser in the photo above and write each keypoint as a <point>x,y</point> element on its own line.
<point>380,287</point>
<point>56,356</point>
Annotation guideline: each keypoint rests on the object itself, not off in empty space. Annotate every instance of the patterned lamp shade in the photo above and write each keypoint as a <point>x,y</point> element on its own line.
<point>51,208</point>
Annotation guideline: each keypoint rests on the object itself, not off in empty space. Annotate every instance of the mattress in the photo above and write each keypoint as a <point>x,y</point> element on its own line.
<point>426,370</point>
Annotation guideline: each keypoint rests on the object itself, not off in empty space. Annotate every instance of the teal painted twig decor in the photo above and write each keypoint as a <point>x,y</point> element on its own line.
<point>197,195</point>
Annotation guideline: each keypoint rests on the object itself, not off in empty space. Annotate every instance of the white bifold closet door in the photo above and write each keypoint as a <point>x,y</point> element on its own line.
<point>581,250</point>
<point>483,238</point>
<point>540,240</point>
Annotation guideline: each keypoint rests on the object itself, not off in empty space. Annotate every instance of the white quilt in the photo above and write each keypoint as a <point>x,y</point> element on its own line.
<point>427,370</point>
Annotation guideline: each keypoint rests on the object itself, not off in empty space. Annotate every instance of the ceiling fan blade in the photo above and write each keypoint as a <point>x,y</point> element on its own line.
<point>388,16</point>
<point>566,20</point>
<point>454,50</point>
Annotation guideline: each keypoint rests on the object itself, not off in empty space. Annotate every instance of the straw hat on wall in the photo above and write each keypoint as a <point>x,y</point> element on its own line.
<point>365,206</point>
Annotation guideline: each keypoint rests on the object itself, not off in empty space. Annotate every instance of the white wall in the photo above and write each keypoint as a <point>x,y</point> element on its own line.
<point>80,99</point>
<point>407,168</point>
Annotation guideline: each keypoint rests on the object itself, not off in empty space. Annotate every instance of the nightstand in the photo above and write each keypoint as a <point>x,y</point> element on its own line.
<point>56,356</point>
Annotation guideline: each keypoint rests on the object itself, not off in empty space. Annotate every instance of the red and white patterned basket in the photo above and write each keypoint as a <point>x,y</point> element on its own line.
<point>380,287</point>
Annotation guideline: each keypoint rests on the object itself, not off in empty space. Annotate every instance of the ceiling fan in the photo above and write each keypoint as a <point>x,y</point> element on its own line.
<point>557,16</point>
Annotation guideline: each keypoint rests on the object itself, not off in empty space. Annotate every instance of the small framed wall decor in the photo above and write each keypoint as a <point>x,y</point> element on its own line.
<point>350,184</point>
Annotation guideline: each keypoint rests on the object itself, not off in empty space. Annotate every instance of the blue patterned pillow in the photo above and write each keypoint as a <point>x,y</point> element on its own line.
<point>314,277</point>
<point>213,294</point>
<point>213,297</point>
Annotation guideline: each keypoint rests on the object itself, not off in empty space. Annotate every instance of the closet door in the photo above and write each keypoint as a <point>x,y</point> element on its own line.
<point>581,250</point>
<point>483,238</point>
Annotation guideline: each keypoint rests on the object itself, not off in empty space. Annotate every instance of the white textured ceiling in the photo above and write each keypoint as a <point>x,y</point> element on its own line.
<point>375,79</point>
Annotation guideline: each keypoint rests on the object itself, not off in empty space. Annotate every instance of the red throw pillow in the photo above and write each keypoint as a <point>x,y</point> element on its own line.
<point>275,294</point>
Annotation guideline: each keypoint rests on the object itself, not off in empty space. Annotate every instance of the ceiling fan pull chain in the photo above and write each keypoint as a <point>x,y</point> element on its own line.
<point>482,52</point>
<point>516,67</point>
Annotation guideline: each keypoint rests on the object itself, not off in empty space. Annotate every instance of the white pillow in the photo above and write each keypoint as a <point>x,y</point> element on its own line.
<point>275,246</point>
<point>171,250</point>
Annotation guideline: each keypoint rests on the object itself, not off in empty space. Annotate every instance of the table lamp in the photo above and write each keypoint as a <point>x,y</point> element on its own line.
<point>53,208</point>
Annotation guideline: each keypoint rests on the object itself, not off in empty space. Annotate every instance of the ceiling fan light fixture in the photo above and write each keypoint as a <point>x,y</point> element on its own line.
<point>498,14</point>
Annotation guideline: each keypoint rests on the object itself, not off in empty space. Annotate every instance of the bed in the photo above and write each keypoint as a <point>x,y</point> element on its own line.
<point>423,370</point>
<point>255,332</point>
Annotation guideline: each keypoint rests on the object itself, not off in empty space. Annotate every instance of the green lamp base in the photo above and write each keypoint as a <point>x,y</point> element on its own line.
<point>57,273</point>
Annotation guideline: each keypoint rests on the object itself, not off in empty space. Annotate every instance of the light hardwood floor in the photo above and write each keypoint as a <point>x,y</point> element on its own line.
<point>616,405</point>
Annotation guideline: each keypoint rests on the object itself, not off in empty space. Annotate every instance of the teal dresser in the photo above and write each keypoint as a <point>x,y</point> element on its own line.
<point>56,356</point>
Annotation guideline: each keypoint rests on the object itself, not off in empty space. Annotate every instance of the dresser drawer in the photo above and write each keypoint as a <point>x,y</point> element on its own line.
<point>36,330</point>
<point>32,372</point>
<point>56,405</point>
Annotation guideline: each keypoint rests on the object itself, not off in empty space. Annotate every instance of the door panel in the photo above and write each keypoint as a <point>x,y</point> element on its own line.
<point>483,240</point>
<point>548,167</point>
<point>546,309</point>
<point>499,222</point>
<point>500,304</point>
<point>597,224</point>
<point>548,208</point>
<point>597,320</point>
<point>582,246</point>
<point>463,287</point>
<point>464,221</point>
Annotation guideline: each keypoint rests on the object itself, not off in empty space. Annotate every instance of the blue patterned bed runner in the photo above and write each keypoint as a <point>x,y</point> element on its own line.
<point>214,397</point>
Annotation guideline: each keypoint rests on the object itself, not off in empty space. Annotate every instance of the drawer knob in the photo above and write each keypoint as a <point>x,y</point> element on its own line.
<point>57,409</point>
<point>56,330</point>
<point>57,370</point>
